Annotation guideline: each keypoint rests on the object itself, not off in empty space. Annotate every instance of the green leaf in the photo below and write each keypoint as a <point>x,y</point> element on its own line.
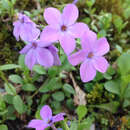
<point>126,103</point>
<point>9,67</point>
<point>21,62</point>
<point>51,85</point>
<point>29,87</point>
<point>68,88</point>
<point>15,79</point>
<point>8,98</point>
<point>3,127</point>
<point>18,104</point>
<point>111,107</point>
<point>81,111</point>
<point>113,87</point>
<point>10,89</point>
<point>39,69</point>
<point>74,125</point>
<point>124,63</point>
<point>127,92</point>
<point>58,96</point>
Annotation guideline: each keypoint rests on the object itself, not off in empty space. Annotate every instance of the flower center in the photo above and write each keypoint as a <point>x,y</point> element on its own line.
<point>90,55</point>
<point>34,45</point>
<point>63,28</point>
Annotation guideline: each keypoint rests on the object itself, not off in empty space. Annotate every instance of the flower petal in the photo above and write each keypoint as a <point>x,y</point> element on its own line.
<point>100,64</point>
<point>58,117</point>
<point>52,16</point>
<point>26,49</point>
<point>67,43</point>
<point>38,124</point>
<point>88,40</point>
<point>78,29</point>
<point>87,71</point>
<point>102,47</point>
<point>54,52</point>
<point>28,32</point>
<point>46,113</point>
<point>70,14</point>
<point>77,57</point>
<point>16,31</point>
<point>30,59</point>
<point>43,43</point>
<point>44,57</point>
<point>49,34</point>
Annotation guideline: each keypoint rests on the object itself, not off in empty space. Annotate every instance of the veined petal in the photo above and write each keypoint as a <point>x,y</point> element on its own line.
<point>37,124</point>
<point>46,113</point>
<point>28,32</point>
<point>16,31</point>
<point>100,64</point>
<point>52,16</point>
<point>44,57</point>
<point>30,59</point>
<point>87,71</point>
<point>54,52</point>
<point>102,47</point>
<point>78,29</point>
<point>49,34</point>
<point>26,48</point>
<point>88,40</point>
<point>43,43</point>
<point>58,117</point>
<point>70,14</point>
<point>67,43</point>
<point>77,57</point>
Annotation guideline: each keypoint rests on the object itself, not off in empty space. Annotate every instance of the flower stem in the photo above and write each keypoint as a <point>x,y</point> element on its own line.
<point>53,127</point>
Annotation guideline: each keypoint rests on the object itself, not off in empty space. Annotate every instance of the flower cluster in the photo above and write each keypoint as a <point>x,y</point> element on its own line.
<point>62,28</point>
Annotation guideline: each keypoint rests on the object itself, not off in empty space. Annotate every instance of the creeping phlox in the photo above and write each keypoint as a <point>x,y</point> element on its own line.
<point>63,28</point>
<point>47,119</point>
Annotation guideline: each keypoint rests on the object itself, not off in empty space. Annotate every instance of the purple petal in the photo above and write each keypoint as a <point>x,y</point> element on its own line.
<point>49,34</point>
<point>30,59</point>
<point>52,16</point>
<point>78,29</point>
<point>16,31</point>
<point>58,117</point>
<point>43,43</point>
<point>46,113</point>
<point>54,52</point>
<point>102,47</point>
<point>44,57</point>
<point>100,64</point>
<point>70,14</point>
<point>28,32</point>
<point>67,43</point>
<point>88,40</point>
<point>87,71</point>
<point>26,49</point>
<point>77,57</point>
<point>38,124</point>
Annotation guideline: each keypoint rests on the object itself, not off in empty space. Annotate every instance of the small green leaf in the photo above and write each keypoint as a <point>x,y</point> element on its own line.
<point>15,79</point>
<point>58,96</point>
<point>81,111</point>
<point>68,88</point>
<point>3,127</point>
<point>18,104</point>
<point>8,98</point>
<point>74,125</point>
<point>39,69</point>
<point>28,87</point>
<point>113,87</point>
<point>9,67</point>
<point>10,89</point>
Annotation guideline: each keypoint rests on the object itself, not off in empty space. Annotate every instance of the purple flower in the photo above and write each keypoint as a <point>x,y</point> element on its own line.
<point>47,119</point>
<point>39,52</point>
<point>62,27</point>
<point>91,56</point>
<point>25,28</point>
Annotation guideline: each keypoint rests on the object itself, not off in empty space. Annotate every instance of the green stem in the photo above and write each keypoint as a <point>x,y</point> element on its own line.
<point>65,125</point>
